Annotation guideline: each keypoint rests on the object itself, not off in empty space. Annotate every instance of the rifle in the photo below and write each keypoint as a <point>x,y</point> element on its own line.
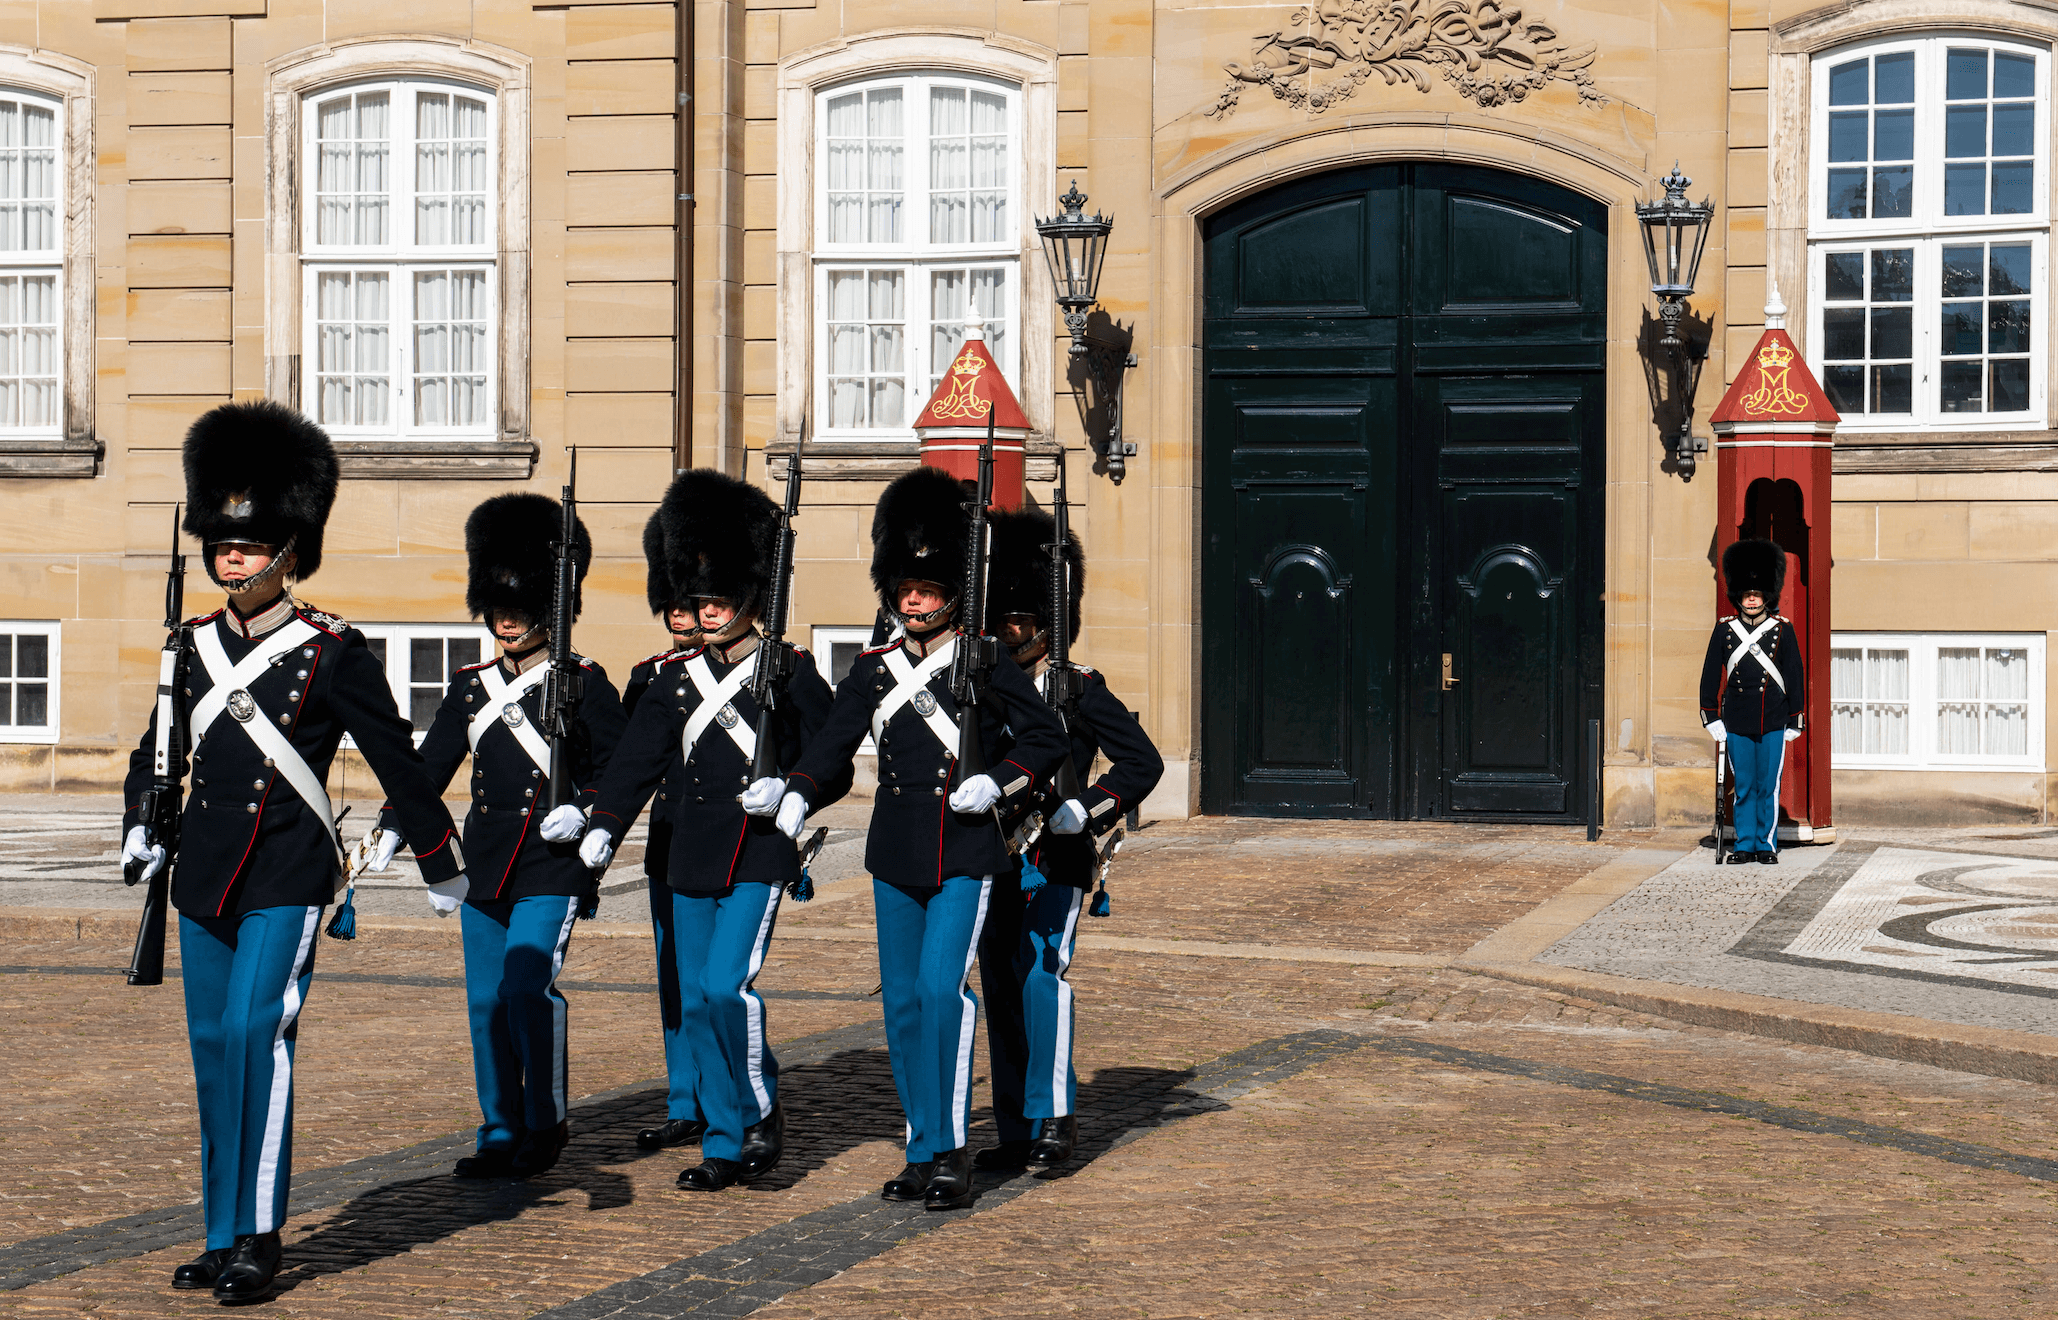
<point>774,652</point>
<point>1062,684</point>
<point>971,667</point>
<point>164,801</point>
<point>564,686</point>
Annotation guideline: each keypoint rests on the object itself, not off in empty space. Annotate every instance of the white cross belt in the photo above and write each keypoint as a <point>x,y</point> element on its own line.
<point>504,705</point>
<point>717,696</point>
<point>231,682</point>
<point>1748,644</point>
<point>910,680</point>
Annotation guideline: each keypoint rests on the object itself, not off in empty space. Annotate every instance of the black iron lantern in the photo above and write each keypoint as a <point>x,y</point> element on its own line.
<point>1675,234</point>
<point>1075,244</point>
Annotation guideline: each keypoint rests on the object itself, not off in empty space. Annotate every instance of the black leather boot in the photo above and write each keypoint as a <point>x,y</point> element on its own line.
<point>950,1181</point>
<point>539,1151</point>
<point>1768,859</point>
<point>1740,859</point>
<point>485,1164</point>
<point>1007,1156</point>
<point>764,1142</point>
<point>251,1269</point>
<point>711,1175</point>
<point>672,1132</point>
<point>1055,1138</point>
<point>203,1269</point>
<point>912,1182</point>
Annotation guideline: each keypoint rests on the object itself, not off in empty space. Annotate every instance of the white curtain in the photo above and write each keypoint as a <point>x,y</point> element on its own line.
<point>450,348</point>
<point>450,170</point>
<point>988,292</point>
<point>350,172</point>
<point>2006,675</point>
<point>1958,713</point>
<point>886,156</point>
<point>949,215</point>
<point>867,348</point>
<point>1886,703</point>
<point>989,147</point>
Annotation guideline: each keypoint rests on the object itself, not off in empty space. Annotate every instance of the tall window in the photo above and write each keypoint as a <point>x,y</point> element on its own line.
<point>28,681</point>
<point>398,260</point>
<point>918,221</point>
<point>1937,700</point>
<point>418,659</point>
<point>1928,232</point>
<point>31,398</point>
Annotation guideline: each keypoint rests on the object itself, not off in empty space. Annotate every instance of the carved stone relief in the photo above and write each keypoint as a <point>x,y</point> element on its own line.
<point>1484,48</point>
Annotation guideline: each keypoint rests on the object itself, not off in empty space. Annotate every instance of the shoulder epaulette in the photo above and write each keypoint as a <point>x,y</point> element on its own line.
<point>882,650</point>
<point>199,619</point>
<point>323,620</point>
<point>466,669</point>
<point>654,661</point>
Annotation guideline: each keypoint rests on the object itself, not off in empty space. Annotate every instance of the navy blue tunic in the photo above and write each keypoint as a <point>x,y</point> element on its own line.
<point>1134,768</point>
<point>658,853</point>
<point>1748,701</point>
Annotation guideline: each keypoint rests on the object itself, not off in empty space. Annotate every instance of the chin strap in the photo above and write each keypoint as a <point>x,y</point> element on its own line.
<point>242,586</point>
<point>1027,654</point>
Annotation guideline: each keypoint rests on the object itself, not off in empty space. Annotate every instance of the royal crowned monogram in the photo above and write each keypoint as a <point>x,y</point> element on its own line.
<point>961,402</point>
<point>1774,397</point>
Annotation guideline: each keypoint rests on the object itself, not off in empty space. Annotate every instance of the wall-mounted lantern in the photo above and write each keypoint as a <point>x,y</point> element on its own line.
<point>1076,244</point>
<point>1675,234</point>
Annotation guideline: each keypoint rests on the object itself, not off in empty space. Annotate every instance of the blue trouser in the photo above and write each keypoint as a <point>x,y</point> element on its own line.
<point>681,1083</point>
<point>513,952</point>
<point>927,938</point>
<point>721,941</point>
<point>246,978</point>
<point>1756,763</point>
<point>1022,963</point>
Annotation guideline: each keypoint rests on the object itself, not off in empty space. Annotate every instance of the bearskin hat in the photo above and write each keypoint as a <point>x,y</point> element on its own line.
<point>657,581</point>
<point>508,542</point>
<point>920,530</point>
<point>1754,564</point>
<point>1018,572</point>
<point>260,472</point>
<point>719,537</point>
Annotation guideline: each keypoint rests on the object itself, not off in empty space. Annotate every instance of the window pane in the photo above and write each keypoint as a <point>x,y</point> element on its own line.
<point>425,660</point>
<point>350,172</point>
<point>32,657</point>
<point>1964,271</point>
<point>1962,332</point>
<point>2014,75</point>
<point>1893,275</point>
<point>1847,195</point>
<point>2007,731</point>
<point>450,170</point>
<point>1965,189</point>
<point>1965,131</point>
<point>6,655</point>
<point>451,349</point>
<point>1893,389</point>
<point>1893,332</point>
<point>2008,268</point>
<point>1958,672</point>
<point>2012,182</point>
<point>1966,78</point>
<point>1894,83</point>
<point>421,706</point>
<point>28,177</point>
<point>1843,332</point>
<point>1846,674</point>
<point>2010,380</point>
<point>463,651</point>
<point>352,348</point>
<point>377,645</point>
<point>31,704</point>
<point>1845,386</point>
<point>2015,129</point>
<point>865,145</point>
<point>1847,83</point>
<point>1893,192</point>
<point>1844,276</point>
<point>1893,135</point>
<point>1958,386</point>
<point>867,348</point>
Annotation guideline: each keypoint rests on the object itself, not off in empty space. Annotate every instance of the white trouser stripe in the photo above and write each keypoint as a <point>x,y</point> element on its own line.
<point>1061,1046</point>
<point>558,1043</point>
<point>754,1009</point>
<point>282,1081</point>
<point>968,1024</point>
<point>1778,773</point>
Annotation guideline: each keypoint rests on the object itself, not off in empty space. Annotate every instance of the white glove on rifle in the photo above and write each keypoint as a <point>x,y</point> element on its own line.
<point>137,848</point>
<point>448,896</point>
<point>763,797</point>
<point>792,815</point>
<point>1068,819</point>
<point>975,795</point>
<point>1717,732</point>
<point>1792,734</point>
<point>563,823</point>
<point>383,850</point>
<point>596,848</point>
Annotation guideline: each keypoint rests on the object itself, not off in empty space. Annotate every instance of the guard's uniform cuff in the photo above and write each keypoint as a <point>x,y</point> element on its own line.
<point>443,862</point>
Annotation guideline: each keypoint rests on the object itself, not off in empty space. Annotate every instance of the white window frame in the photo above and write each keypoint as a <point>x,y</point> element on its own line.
<point>1923,701</point>
<point>917,258</point>
<point>45,734</point>
<point>1927,229</point>
<point>821,637</point>
<point>401,258</point>
<point>398,635</point>
<point>46,261</point>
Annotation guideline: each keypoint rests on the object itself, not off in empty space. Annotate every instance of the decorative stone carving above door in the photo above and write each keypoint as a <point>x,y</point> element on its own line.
<point>1486,49</point>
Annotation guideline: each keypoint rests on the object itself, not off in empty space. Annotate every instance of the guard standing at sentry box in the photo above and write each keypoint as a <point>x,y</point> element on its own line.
<point>274,685</point>
<point>1753,693</point>
<point>682,1122</point>
<point>1026,950</point>
<point>935,853</point>
<point>691,743</point>
<point>526,892</point>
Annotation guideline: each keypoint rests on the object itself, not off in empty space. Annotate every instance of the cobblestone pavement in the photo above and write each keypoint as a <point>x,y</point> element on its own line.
<point>1266,1134</point>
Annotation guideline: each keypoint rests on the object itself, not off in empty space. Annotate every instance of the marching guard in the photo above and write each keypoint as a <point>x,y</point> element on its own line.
<point>683,1122</point>
<point>934,852</point>
<point>691,743</point>
<point>1027,946</point>
<point>1753,695</point>
<point>517,919</point>
<point>273,686</point>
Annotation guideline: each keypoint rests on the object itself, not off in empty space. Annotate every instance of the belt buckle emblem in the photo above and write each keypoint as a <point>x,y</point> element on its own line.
<point>726,716</point>
<point>924,703</point>
<point>241,706</point>
<point>512,713</point>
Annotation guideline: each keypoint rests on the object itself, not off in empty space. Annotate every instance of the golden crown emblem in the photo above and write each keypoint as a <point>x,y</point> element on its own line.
<point>1774,354</point>
<point>961,401</point>
<point>1773,395</point>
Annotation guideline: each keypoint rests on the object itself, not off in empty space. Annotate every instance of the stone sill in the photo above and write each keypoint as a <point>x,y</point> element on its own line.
<point>48,456</point>
<point>1973,451</point>
<point>434,460</point>
<point>883,460</point>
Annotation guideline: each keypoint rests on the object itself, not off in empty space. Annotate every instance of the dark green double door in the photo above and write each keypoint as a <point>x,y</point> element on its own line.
<point>1403,456</point>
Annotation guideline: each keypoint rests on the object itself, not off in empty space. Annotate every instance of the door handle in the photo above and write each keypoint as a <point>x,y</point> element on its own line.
<point>1448,680</point>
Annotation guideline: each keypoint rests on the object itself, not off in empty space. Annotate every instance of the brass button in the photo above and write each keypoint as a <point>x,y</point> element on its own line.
<point>475,683</point>
<point>257,784</point>
<point>943,774</point>
<point>482,806</point>
<point>896,792</point>
<point>268,763</point>
<point>301,675</point>
<point>305,651</point>
<point>535,774</point>
<point>203,804</point>
<point>681,692</point>
<point>285,719</point>
<point>467,696</point>
<point>528,792</point>
<point>293,696</point>
<point>662,798</point>
<point>199,783</point>
<point>939,792</point>
<point>250,807</point>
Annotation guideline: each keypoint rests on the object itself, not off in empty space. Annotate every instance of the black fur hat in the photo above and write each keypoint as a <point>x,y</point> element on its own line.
<point>720,537</point>
<point>1018,578</point>
<point>657,581</point>
<point>1754,564</point>
<point>507,541</point>
<point>920,530</point>
<point>260,472</point>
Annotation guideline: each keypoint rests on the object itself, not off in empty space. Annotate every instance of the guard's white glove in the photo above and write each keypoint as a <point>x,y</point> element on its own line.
<point>792,815</point>
<point>975,795</point>
<point>596,848</point>
<point>448,896</point>
<point>1792,734</point>
<point>563,823</point>
<point>763,797</point>
<point>383,850</point>
<point>1717,732</point>
<point>1068,819</point>
<point>135,848</point>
